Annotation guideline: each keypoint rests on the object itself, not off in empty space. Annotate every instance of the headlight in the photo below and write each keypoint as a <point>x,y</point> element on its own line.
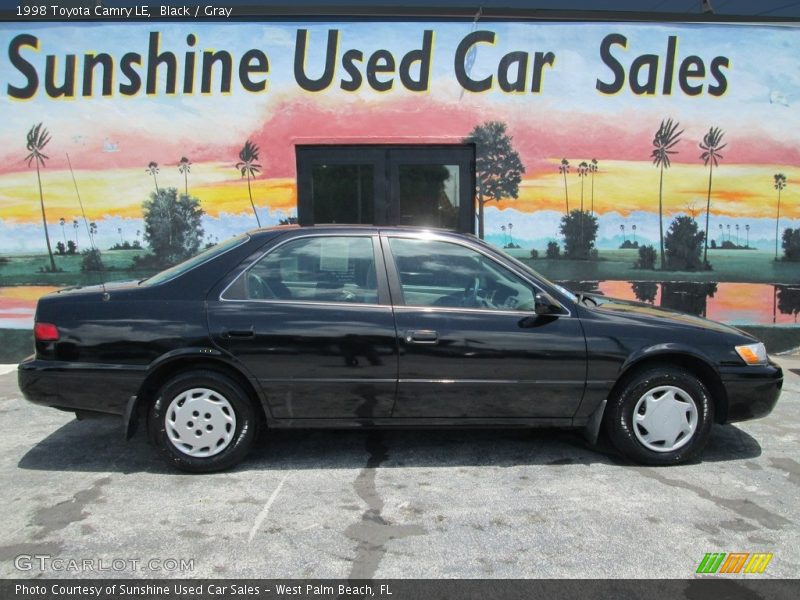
<point>753,354</point>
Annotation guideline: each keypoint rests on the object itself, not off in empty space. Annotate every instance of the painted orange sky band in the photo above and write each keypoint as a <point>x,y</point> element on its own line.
<point>111,139</point>
<point>620,186</point>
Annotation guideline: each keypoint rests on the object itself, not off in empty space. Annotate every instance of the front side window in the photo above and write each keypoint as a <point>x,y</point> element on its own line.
<point>312,269</point>
<point>435,273</point>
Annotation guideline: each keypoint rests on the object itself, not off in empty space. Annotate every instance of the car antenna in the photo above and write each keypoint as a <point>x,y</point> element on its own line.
<point>85,220</point>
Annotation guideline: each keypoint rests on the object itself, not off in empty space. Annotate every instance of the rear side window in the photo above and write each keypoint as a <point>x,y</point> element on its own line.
<point>312,269</point>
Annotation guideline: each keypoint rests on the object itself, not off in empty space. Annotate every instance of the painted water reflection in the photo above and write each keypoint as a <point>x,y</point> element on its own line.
<point>736,303</point>
<point>18,303</point>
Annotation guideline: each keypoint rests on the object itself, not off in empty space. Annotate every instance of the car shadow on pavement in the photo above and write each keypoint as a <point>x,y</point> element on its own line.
<point>97,445</point>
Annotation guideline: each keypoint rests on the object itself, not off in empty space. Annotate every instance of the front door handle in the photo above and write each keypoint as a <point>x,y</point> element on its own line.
<point>422,336</point>
<point>241,334</point>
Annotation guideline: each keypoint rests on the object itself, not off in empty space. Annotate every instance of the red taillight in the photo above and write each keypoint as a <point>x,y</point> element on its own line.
<point>45,332</point>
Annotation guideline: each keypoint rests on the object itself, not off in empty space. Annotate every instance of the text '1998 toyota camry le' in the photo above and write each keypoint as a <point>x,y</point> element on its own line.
<point>353,326</point>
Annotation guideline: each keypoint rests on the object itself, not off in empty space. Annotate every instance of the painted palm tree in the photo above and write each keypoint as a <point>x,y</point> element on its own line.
<point>583,171</point>
<point>38,138</point>
<point>510,237</point>
<point>152,169</point>
<point>92,232</point>
<point>634,233</point>
<point>564,169</point>
<point>249,167</point>
<point>780,184</point>
<point>664,142</point>
<point>184,168</point>
<point>711,146</point>
<point>747,229</point>
<point>505,239</point>
<point>119,231</point>
<point>63,222</point>
<point>75,227</point>
<point>593,169</point>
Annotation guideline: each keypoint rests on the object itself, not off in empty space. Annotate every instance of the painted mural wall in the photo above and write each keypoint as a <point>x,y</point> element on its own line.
<point>632,135</point>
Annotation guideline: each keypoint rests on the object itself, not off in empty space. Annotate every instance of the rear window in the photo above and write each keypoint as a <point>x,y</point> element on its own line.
<point>196,260</point>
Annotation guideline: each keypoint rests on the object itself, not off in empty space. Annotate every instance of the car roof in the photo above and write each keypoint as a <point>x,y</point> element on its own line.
<point>337,227</point>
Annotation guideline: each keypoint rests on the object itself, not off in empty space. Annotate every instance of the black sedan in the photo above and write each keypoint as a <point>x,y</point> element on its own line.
<point>384,327</point>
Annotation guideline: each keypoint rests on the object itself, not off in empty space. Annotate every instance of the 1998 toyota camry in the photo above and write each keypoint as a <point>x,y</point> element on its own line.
<point>383,327</point>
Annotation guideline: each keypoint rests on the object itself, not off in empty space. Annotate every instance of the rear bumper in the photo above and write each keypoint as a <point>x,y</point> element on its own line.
<point>82,387</point>
<point>752,391</point>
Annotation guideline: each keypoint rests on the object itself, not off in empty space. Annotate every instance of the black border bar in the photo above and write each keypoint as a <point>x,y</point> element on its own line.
<point>378,11</point>
<point>702,588</point>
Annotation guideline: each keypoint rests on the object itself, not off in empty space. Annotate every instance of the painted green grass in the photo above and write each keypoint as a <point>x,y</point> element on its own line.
<point>24,269</point>
<point>748,266</point>
<point>736,266</point>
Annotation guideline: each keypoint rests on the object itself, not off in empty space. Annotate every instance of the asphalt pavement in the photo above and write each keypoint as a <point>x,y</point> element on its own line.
<point>79,501</point>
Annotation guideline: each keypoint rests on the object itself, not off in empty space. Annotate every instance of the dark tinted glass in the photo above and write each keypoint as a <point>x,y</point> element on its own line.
<point>343,193</point>
<point>429,195</point>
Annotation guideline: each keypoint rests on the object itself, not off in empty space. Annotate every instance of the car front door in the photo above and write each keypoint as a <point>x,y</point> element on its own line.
<point>470,344</point>
<point>311,320</point>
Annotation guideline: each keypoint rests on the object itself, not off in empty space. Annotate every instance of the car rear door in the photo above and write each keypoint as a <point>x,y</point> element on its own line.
<point>470,344</point>
<point>312,321</point>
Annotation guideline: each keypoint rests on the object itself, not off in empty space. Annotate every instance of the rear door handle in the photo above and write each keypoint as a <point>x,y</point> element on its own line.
<point>422,336</point>
<point>241,334</point>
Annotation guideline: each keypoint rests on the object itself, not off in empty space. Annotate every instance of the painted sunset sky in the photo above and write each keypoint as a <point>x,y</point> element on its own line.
<point>111,140</point>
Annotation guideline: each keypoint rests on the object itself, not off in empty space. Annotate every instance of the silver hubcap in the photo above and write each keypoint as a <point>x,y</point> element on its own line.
<point>665,418</point>
<point>200,422</point>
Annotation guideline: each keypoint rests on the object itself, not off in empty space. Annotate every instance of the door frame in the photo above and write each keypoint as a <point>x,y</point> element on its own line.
<point>556,407</point>
<point>386,159</point>
<point>244,310</point>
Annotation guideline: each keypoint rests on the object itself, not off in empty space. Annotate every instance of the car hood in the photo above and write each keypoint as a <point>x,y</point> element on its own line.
<point>641,311</point>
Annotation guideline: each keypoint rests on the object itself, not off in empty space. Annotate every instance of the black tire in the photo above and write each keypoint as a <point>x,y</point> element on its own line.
<point>619,418</point>
<point>241,436</point>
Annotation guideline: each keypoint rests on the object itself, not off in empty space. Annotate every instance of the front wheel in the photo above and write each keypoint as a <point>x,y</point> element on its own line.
<point>202,421</point>
<point>661,416</point>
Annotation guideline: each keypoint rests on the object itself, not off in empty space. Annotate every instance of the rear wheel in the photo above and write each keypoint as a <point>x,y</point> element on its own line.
<point>202,421</point>
<point>661,416</point>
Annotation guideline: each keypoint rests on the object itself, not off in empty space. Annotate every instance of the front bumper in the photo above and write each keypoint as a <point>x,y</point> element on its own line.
<point>752,391</point>
<point>79,386</point>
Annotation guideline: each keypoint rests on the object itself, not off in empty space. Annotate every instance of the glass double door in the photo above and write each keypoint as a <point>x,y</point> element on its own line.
<point>427,186</point>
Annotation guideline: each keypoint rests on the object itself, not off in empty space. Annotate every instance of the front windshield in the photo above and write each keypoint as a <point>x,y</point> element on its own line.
<point>196,260</point>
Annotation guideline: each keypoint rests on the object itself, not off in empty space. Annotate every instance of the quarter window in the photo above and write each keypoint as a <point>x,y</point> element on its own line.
<point>313,269</point>
<point>435,273</point>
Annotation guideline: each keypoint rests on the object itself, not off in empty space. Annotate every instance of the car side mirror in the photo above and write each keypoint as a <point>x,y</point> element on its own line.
<point>544,304</point>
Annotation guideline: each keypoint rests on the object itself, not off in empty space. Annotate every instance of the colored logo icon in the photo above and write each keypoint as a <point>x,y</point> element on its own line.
<point>734,562</point>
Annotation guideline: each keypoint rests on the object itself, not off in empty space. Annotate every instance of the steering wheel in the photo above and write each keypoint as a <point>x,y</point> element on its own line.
<point>471,298</point>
